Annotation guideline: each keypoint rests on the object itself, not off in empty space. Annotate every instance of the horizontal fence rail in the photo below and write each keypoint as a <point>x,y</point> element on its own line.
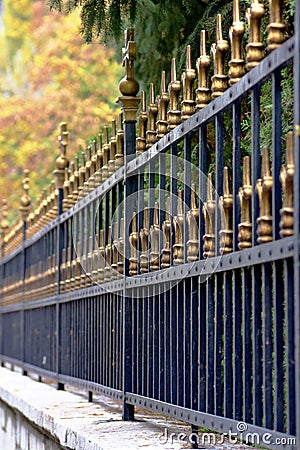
<point>162,269</point>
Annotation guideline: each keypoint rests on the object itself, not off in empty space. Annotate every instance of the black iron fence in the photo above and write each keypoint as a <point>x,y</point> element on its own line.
<point>164,270</point>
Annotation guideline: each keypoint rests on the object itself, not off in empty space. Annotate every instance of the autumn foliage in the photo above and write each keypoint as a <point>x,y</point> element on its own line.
<point>48,75</point>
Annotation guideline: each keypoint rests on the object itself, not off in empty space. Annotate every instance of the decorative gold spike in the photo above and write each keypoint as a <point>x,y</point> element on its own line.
<point>178,225</point>
<point>93,168</point>
<point>173,114</point>
<point>286,178</point>
<point>107,268</point>
<point>67,187</point>
<point>226,205</point>
<point>144,235</point>
<point>112,148</point>
<point>151,114</point>
<point>89,262</point>
<point>218,50</point>
<point>62,162</point>
<point>120,143</point>
<point>255,48</point>
<point>128,86</point>
<point>101,257</point>
<point>245,195</point>
<point>209,210</point>
<point>82,173</point>
<point>88,164</point>
<point>162,124</point>
<point>276,27</point>
<point>105,150</point>
<point>25,199</point>
<point>188,78</point>
<point>236,33</point>
<point>75,193</point>
<point>166,228</point>
<point>121,249</point>
<point>193,222</point>
<point>114,250</point>
<point>99,162</point>
<point>264,189</point>
<point>202,65</point>
<point>142,124</point>
<point>154,239</point>
<point>4,225</point>
<point>133,239</point>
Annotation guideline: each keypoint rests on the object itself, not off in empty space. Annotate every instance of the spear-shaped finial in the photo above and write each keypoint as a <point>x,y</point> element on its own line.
<point>202,64</point>
<point>154,238</point>
<point>193,222</point>
<point>173,114</point>
<point>133,239</point>
<point>163,99</point>
<point>209,210</point>
<point>144,235</point>
<point>276,27</point>
<point>245,195</point>
<point>151,114</point>
<point>236,33</point>
<point>188,78</point>
<point>218,50</point>
<point>287,178</point>
<point>120,143</point>
<point>264,190</point>
<point>226,205</point>
<point>255,48</point>
<point>142,126</point>
<point>178,220</point>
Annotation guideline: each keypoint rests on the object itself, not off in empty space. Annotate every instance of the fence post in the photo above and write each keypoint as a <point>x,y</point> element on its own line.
<point>296,213</point>
<point>24,209</point>
<point>128,87</point>
<point>61,164</point>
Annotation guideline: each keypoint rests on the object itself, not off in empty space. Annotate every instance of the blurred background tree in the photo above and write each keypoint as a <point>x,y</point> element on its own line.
<point>48,75</point>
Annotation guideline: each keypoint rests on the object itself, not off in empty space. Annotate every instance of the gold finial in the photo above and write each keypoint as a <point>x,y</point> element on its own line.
<point>218,50</point>
<point>99,161</point>
<point>173,114</point>
<point>226,205</point>
<point>151,114</point>
<point>61,161</point>
<point>178,225</point>
<point>236,33</point>
<point>163,99</point>
<point>81,176</point>
<point>255,48</point>
<point>25,199</point>
<point>154,239</point>
<point>245,195</point>
<point>287,178</point>
<point>114,250</point>
<point>264,189</point>
<point>101,257</point>
<point>188,78</point>
<point>105,150</point>
<point>276,27</point>
<point>120,263</point>
<point>112,148</point>
<point>142,124</point>
<point>202,64</point>
<point>120,143</point>
<point>129,86</point>
<point>193,222</point>
<point>144,235</point>
<point>209,210</point>
<point>133,239</point>
<point>107,274</point>
<point>166,228</point>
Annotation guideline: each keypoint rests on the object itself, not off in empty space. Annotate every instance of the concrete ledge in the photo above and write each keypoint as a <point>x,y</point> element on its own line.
<point>70,421</point>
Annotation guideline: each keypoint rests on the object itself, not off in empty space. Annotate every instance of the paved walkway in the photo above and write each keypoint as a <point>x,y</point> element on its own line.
<point>77,424</point>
